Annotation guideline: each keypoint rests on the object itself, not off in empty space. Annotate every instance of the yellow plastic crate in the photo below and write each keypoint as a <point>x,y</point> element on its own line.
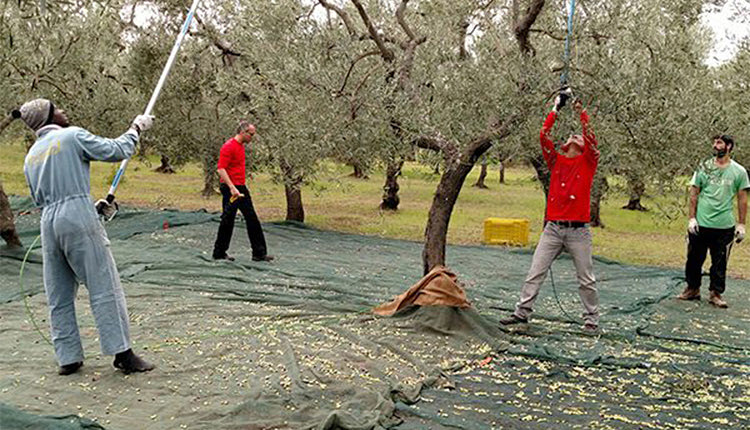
<point>503,231</point>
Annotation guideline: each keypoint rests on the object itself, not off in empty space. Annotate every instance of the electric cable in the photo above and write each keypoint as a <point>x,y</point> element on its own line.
<point>25,296</point>
<point>557,298</point>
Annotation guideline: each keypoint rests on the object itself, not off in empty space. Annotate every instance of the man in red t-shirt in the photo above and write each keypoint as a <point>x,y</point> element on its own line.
<point>568,213</point>
<point>235,195</point>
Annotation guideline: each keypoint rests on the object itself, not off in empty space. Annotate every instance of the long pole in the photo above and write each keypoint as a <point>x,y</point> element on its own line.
<point>121,171</point>
<point>566,58</point>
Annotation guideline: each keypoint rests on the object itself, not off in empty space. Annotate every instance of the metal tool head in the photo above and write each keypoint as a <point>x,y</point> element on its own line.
<point>106,210</point>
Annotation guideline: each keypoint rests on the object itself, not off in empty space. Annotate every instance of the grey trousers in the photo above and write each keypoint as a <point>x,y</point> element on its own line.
<point>75,248</point>
<point>555,239</point>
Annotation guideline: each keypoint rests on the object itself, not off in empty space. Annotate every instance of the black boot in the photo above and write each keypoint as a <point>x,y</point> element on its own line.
<point>128,362</point>
<point>70,369</point>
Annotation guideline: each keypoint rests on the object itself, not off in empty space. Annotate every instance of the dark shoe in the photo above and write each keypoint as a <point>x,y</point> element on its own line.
<point>716,300</point>
<point>513,319</point>
<point>70,369</point>
<point>128,362</point>
<point>263,258</point>
<point>590,328</point>
<point>224,257</point>
<point>690,294</point>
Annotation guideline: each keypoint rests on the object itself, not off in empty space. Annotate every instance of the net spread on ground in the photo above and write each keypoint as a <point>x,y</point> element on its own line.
<point>293,343</point>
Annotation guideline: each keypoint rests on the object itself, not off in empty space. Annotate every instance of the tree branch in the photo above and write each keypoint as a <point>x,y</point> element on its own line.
<point>598,37</point>
<point>409,47</point>
<point>386,53</point>
<point>5,122</point>
<point>351,67</point>
<point>65,50</point>
<point>227,53</point>
<point>52,84</point>
<point>462,52</point>
<point>431,143</point>
<point>309,13</point>
<point>547,33</point>
<point>343,15</point>
<point>362,82</point>
<point>402,22</point>
<point>523,25</point>
<point>480,144</point>
<point>438,144</point>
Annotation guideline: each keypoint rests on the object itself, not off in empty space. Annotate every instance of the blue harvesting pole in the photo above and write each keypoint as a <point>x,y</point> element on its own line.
<point>566,57</point>
<point>104,206</point>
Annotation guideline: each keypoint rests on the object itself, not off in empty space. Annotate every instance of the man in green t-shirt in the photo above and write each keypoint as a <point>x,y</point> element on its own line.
<point>712,225</point>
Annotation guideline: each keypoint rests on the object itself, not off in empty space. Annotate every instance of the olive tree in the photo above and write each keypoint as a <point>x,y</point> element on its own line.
<point>72,53</point>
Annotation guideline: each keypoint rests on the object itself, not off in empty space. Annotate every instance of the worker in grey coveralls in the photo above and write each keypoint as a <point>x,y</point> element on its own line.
<point>75,247</point>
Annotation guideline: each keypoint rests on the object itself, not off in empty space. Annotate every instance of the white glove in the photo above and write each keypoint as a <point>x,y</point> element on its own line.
<point>558,104</point>
<point>693,226</point>
<point>142,123</point>
<point>739,233</point>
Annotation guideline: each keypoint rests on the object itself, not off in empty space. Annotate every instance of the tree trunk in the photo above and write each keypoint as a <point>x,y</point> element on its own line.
<point>210,181</point>
<point>5,122</point>
<point>457,167</point>
<point>598,190</point>
<point>29,139</point>
<point>165,167</point>
<point>390,189</point>
<point>7,226</point>
<point>502,172</point>
<point>482,175</point>
<point>359,171</point>
<point>210,159</point>
<point>637,189</point>
<point>542,172</point>
<point>295,211</point>
<point>436,232</point>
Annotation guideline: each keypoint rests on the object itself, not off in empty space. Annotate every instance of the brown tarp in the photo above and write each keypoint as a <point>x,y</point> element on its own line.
<point>438,288</point>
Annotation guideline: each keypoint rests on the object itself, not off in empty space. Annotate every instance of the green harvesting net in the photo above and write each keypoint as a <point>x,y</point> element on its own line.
<point>292,344</point>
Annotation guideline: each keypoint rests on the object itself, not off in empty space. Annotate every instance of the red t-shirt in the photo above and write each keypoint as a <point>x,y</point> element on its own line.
<point>232,159</point>
<point>569,196</point>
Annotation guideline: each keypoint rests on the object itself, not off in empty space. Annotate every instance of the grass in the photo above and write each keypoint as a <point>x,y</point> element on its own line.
<point>338,202</point>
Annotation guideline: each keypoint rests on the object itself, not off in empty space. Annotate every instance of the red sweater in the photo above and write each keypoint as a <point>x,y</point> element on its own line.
<point>569,196</point>
<point>232,159</point>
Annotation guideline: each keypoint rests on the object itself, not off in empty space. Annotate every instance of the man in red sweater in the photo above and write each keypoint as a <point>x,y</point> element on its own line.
<point>235,195</point>
<point>568,213</point>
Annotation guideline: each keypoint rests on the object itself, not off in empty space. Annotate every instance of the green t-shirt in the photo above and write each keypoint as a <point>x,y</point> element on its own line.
<point>718,186</point>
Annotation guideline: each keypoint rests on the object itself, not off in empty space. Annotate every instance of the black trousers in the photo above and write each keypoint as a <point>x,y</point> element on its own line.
<point>719,242</point>
<point>229,213</point>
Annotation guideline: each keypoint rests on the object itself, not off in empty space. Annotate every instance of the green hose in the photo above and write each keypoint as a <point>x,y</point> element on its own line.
<point>25,297</point>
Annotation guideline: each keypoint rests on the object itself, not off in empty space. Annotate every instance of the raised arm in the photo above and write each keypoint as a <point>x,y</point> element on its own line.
<point>590,144</point>
<point>105,149</point>
<point>548,147</point>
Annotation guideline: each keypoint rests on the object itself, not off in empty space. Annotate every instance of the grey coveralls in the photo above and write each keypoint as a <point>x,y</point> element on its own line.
<point>75,247</point>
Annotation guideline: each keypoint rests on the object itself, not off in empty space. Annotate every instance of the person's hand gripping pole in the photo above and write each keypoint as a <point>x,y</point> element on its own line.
<point>562,98</point>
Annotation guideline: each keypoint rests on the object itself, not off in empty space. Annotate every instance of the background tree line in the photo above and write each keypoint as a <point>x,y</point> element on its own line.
<point>380,82</point>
